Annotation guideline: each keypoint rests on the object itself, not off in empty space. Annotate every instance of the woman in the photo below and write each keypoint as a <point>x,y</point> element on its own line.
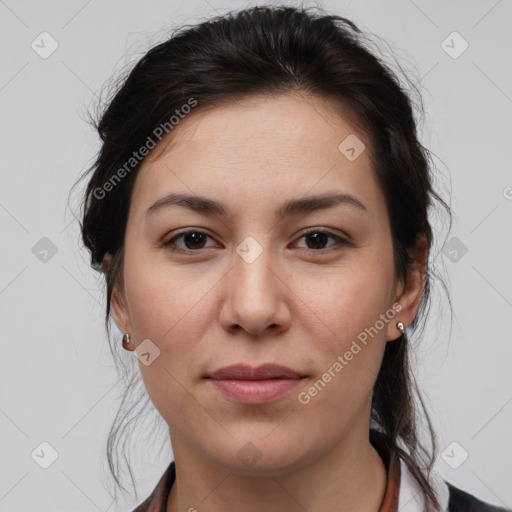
<point>259,208</point>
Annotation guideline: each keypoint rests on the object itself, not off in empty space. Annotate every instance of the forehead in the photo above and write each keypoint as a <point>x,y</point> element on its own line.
<point>271,146</point>
<point>282,122</point>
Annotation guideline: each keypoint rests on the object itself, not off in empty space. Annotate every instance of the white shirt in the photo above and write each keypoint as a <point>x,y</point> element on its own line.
<point>410,496</point>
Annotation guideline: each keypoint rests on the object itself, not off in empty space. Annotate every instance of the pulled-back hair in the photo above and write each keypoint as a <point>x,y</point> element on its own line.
<point>276,50</point>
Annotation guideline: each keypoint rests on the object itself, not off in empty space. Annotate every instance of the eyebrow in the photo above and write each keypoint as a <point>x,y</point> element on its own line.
<point>206,206</point>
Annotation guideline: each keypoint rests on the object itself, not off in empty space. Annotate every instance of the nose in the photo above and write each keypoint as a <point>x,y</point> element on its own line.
<point>256,299</point>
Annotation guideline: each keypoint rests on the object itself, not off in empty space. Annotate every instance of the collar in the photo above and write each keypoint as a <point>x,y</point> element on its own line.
<point>402,494</point>
<point>411,498</point>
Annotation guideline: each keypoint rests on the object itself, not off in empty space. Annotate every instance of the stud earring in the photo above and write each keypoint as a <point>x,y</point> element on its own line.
<point>400,327</point>
<point>126,342</point>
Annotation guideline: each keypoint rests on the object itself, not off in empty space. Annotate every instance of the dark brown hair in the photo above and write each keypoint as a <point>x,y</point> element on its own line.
<point>274,50</point>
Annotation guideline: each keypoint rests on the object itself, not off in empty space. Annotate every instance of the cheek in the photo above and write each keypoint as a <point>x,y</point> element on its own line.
<point>166,308</point>
<point>166,301</point>
<point>347,300</point>
<point>171,306</point>
<point>347,351</point>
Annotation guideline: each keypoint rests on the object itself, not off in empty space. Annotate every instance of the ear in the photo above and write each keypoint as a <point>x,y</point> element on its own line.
<point>408,292</point>
<point>118,303</point>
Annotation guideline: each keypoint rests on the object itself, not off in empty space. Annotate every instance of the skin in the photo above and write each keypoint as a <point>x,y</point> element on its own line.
<point>298,304</point>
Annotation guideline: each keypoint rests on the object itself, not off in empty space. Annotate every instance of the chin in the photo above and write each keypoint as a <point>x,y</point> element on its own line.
<point>259,456</point>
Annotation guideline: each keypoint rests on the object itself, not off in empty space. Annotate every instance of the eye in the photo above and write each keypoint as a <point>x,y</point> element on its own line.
<point>194,240</point>
<point>318,237</point>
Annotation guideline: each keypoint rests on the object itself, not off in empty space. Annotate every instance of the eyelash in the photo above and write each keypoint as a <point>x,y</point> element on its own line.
<point>171,243</point>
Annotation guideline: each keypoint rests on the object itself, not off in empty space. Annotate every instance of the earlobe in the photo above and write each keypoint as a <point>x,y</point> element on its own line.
<point>117,303</point>
<point>410,292</point>
<point>120,312</point>
<point>106,262</point>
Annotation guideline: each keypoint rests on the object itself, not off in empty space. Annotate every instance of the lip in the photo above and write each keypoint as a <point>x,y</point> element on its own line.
<point>246,372</point>
<point>244,384</point>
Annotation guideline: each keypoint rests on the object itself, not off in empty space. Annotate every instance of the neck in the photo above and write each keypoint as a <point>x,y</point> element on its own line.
<point>350,477</point>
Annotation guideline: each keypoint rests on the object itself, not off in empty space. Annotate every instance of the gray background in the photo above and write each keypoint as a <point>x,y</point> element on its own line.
<point>57,381</point>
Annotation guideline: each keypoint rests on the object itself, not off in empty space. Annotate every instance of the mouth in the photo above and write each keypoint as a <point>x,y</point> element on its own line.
<point>244,384</point>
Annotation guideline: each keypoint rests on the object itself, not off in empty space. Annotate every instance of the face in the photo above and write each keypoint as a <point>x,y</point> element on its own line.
<point>249,281</point>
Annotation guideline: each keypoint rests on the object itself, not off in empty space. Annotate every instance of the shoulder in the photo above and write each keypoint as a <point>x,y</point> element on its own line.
<point>462,501</point>
<point>451,497</point>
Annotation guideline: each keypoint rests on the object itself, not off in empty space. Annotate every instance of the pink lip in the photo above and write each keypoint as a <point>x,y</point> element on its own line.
<point>247,385</point>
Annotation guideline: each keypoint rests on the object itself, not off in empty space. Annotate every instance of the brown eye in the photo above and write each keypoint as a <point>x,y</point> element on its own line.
<point>191,239</point>
<point>317,239</point>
